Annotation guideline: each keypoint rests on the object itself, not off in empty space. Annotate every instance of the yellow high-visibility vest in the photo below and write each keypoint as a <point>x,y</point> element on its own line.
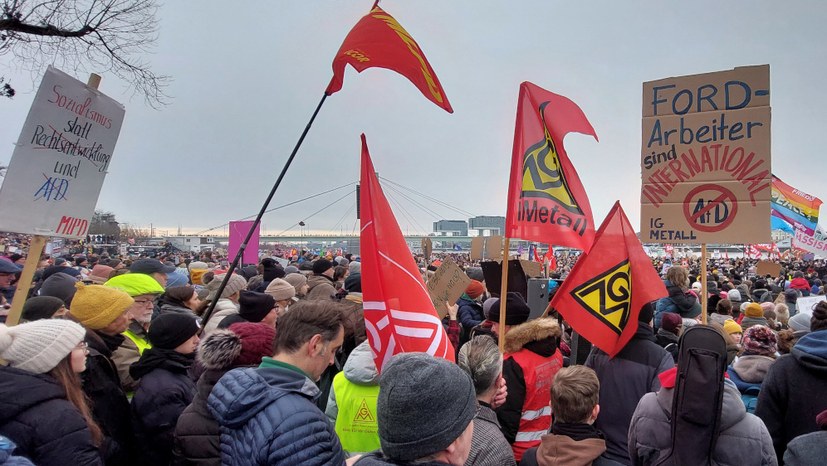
<point>356,423</point>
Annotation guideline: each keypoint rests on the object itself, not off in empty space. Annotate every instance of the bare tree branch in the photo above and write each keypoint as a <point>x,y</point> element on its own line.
<point>85,36</point>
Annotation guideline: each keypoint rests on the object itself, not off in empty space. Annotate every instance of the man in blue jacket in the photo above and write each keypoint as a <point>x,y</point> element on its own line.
<point>268,414</point>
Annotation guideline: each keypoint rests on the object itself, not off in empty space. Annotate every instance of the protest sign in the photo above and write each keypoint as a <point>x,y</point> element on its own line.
<point>807,303</point>
<point>427,247</point>
<point>816,244</point>
<point>532,269</point>
<point>476,248</point>
<point>447,284</point>
<point>494,248</point>
<point>61,159</point>
<point>763,268</point>
<point>705,158</point>
<point>238,231</point>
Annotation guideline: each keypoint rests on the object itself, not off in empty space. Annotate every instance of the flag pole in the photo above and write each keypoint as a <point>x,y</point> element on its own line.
<point>208,313</point>
<point>703,297</point>
<point>503,292</point>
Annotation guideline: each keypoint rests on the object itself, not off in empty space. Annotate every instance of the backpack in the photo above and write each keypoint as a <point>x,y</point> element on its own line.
<point>750,399</point>
<point>698,397</point>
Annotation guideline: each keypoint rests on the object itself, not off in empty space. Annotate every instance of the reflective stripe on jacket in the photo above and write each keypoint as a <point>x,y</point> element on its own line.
<point>535,419</point>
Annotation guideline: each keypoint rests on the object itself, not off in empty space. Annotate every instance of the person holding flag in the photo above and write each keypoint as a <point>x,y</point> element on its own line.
<point>608,299</point>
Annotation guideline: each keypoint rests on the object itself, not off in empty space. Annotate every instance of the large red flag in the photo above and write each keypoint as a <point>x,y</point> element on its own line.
<point>603,294</point>
<point>378,40</point>
<point>546,201</point>
<point>399,314</point>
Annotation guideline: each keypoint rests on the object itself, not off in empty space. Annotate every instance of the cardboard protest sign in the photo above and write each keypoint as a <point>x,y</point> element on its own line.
<point>532,269</point>
<point>763,268</point>
<point>494,248</point>
<point>807,303</point>
<point>238,231</point>
<point>705,158</point>
<point>427,247</point>
<point>61,159</point>
<point>476,248</point>
<point>447,284</point>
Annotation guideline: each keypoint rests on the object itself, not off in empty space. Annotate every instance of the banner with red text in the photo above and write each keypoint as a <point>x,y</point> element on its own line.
<point>60,160</point>
<point>705,158</point>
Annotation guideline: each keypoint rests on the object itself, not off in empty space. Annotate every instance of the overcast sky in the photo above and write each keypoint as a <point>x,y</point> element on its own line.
<point>248,75</point>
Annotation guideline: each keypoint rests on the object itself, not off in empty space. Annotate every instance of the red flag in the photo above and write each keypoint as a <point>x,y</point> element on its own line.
<point>378,40</point>
<point>399,314</point>
<point>546,201</point>
<point>602,296</point>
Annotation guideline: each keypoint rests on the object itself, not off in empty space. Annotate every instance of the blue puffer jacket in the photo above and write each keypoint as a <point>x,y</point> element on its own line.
<point>268,416</point>
<point>469,313</point>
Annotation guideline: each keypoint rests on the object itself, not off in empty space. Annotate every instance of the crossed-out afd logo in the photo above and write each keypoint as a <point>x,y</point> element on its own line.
<point>608,296</point>
<point>543,175</point>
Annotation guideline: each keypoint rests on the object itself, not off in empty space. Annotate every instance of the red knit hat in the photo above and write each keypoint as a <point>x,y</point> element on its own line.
<point>475,289</point>
<point>256,342</point>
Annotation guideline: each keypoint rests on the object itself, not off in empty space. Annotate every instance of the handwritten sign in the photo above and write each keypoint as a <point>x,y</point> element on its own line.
<point>806,304</point>
<point>532,269</point>
<point>705,158</point>
<point>447,284</point>
<point>427,247</point>
<point>61,159</point>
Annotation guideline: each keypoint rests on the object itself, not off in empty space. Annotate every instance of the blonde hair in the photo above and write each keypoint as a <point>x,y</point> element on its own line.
<point>575,392</point>
<point>678,276</point>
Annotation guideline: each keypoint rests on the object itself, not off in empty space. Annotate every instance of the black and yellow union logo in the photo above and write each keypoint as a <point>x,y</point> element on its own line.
<point>608,296</point>
<point>542,173</point>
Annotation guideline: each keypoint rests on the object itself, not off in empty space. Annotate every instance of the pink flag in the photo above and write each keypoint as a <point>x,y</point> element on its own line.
<point>238,231</point>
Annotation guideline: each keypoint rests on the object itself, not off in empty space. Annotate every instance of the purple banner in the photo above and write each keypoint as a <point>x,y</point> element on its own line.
<point>238,231</point>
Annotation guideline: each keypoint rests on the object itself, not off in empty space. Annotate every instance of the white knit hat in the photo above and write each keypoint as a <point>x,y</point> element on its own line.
<point>39,346</point>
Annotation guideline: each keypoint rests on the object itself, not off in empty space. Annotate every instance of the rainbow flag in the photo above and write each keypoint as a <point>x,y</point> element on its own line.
<point>795,207</point>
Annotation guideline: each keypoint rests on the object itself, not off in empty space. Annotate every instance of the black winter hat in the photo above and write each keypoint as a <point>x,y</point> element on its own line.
<point>516,309</point>
<point>255,306</point>
<point>321,266</point>
<point>168,331</point>
<point>647,312</point>
<point>353,283</point>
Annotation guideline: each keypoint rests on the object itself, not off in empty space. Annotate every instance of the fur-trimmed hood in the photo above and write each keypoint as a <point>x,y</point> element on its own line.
<point>219,350</point>
<point>533,330</point>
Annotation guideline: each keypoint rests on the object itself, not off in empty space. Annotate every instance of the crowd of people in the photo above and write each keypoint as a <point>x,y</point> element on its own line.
<point>126,361</point>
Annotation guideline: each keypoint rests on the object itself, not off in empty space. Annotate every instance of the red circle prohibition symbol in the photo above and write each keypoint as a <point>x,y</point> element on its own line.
<point>720,195</point>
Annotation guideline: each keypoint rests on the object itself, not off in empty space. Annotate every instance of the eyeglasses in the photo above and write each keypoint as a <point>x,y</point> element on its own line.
<point>83,346</point>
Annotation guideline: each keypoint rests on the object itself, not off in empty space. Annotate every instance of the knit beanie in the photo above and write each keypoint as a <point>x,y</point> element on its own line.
<point>488,304</point>
<point>135,284</point>
<point>198,265</point>
<point>60,285</point>
<point>96,306</point>
<point>280,289</point>
<point>516,310</point>
<point>236,284</point>
<point>256,342</point>
<point>766,306</point>
<point>475,289</point>
<point>355,267</point>
<point>254,306</point>
<point>734,295</point>
<point>171,329</point>
<point>297,280</point>
<point>39,346</point>
<point>40,307</point>
<point>647,313</point>
<point>730,327</point>
<point>800,322</point>
<point>760,340</point>
<point>177,278</point>
<point>791,296</point>
<point>100,274</point>
<point>819,319</point>
<point>321,266</point>
<point>291,269</point>
<point>754,310</point>
<point>424,405</point>
<point>353,283</point>
<point>671,321</point>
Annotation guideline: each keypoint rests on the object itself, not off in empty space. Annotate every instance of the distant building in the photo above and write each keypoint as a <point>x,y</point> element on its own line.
<point>451,228</point>
<point>487,225</point>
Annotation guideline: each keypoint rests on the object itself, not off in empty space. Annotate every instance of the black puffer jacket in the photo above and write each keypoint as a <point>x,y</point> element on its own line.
<point>197,434</point>
<point>47,428</point>
<point>163,393</point>
<point>110,406</point>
